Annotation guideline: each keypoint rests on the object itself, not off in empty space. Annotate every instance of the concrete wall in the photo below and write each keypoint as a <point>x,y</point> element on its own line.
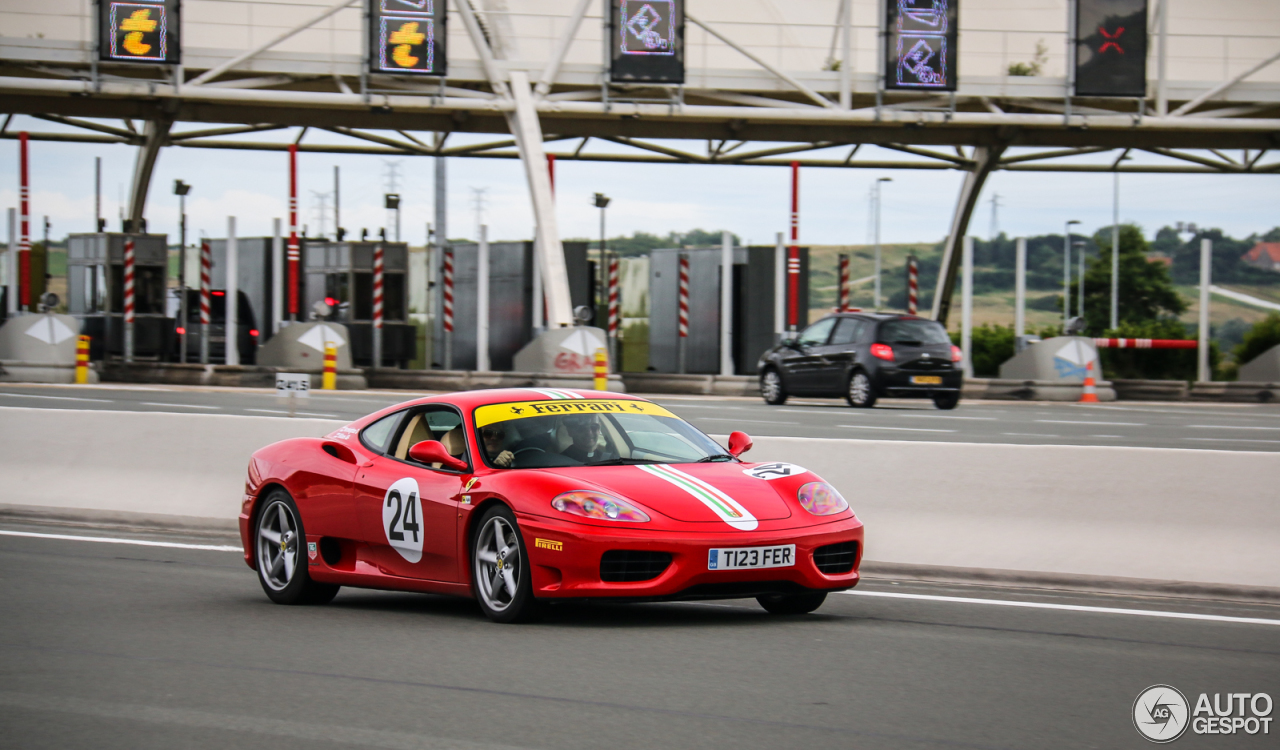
<point>1201,516</point>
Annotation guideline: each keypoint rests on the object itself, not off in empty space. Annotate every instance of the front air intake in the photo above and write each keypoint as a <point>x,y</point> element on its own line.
<point>629,565</point>
<point>835,559</point>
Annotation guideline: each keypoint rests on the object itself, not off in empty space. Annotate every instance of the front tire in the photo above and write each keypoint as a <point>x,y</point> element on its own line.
<point>947,401</point>
<point>278,543</point>
<point>858,391</point>
<point>500,568</point>
<point>792,604</point>
<point>771,389</point>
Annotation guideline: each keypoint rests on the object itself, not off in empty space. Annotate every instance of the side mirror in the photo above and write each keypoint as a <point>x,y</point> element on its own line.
<point>739,443</point>
<point>792,344</point>
<point>433,452</point>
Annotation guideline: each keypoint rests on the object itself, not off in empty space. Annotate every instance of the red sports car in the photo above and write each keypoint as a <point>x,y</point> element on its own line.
<point>524,496</point>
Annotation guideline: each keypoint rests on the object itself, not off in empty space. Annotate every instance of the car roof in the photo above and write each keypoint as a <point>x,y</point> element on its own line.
<point>874,316</point>
<point>468,400</point>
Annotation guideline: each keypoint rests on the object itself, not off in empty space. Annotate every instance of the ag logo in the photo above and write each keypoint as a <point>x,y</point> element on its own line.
<point>1160,713</point>
<point>774,471</point>
<point>400,519</point>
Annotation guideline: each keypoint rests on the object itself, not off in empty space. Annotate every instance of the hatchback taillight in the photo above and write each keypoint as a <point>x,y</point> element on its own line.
<point>882,351</point>
<point>956,354</point>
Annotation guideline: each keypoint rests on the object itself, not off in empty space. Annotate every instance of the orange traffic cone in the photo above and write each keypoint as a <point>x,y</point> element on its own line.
<point>1090,394</point>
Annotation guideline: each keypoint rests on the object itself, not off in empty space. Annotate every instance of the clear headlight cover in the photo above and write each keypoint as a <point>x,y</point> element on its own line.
<point>598,506</point>
<point>821,499</point>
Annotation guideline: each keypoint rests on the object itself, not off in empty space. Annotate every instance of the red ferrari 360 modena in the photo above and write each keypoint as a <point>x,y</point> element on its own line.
<point>519,497</point>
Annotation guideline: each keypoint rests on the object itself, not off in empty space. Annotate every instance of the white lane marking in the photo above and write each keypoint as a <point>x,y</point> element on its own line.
<point>1028,434</point>
<point>115,540</point>
<point>703,406</point>
<point>1067,607</point>
<point>814,410</point>
<point>1229,427</point>
<point>300,413</point>
<point>58,398</point>
<point>943,416</point>
<point>747,421</point>
<point>180,406</point>
<point>1117,437</point>
<point>1189,411</point>
<point>1231,440</point>
<point>903,429</point>
<point>1081,421</point>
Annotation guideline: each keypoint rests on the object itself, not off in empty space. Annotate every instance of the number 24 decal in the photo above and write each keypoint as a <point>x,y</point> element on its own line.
<point>410,520</point>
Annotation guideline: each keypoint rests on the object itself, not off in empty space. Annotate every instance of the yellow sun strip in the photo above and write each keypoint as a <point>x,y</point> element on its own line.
<point>491,413</point>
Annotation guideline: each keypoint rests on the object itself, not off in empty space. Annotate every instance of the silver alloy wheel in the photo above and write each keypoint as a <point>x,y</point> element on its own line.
<point>277,545</point>
<point>497,564</point>
<point>859,388</point>
<point>770,385</point>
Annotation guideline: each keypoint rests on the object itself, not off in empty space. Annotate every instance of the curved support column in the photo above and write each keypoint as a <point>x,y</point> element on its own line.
<point>155,135</point>
<point>985,159</point>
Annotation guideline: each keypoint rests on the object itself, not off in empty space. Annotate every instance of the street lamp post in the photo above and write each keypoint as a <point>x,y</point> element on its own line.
<point>1115,248</point>
<point>602,202</point>
<point>1080,246</point>
<point>181,189</point>
<point>1066,275</point>
<point>878,184</point>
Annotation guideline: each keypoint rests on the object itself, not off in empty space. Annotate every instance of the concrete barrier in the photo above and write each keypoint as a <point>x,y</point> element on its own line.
<point>1174,515</point>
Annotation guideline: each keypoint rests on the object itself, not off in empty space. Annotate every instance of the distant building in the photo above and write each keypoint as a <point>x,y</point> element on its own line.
<point>1160,259</point>
<point>1264,255</point>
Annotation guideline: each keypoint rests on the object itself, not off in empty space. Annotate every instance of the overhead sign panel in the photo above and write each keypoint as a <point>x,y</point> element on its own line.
<point>921,39</point>
<point>140,31</point>
<point>647,41</point>
<point>407,37</point>
<point>1111,48</point>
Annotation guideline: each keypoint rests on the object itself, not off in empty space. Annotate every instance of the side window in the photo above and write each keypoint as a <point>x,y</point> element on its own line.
<point>848,331</point>
<point>816,334</point>
<point>377,435</point>
<point>436,422</point>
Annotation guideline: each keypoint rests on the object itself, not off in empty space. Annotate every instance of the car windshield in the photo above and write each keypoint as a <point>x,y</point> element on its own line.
<point>588,432</point>
<point>917,332</point>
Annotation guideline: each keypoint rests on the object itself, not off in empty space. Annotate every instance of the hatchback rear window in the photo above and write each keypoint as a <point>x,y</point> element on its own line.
<point>916,332</point>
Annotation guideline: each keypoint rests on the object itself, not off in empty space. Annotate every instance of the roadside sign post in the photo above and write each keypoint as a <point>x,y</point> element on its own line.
<point>293,385</point>
<point>82,360</point>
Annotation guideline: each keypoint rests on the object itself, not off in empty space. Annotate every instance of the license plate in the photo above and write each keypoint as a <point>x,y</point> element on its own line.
<point>926,379</point>
<point>745,558</point>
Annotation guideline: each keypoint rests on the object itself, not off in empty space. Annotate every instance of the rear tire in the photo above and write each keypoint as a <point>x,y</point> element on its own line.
<point>278,543</point>
<point>947,401</point>
<point>792,604</point>
<point>858,391</point>
<point>771,389</point>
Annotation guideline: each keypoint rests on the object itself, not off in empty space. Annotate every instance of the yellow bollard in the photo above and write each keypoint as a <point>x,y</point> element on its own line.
<point>330,381</point>
<point>602,370</point>
<point>82,360</point>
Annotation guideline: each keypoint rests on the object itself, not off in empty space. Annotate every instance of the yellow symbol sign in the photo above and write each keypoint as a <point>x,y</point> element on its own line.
<point>137,22</point>
<point>405,38</point>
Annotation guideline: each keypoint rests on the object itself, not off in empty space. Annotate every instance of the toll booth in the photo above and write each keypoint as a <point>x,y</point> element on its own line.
<point>754,271</point>
<point>95,293</point>
<point>343,273</point>
<point>510,300</point>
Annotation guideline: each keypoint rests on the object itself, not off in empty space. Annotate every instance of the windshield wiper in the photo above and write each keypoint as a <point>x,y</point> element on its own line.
<point>625,462</point>
<point>716,457</point>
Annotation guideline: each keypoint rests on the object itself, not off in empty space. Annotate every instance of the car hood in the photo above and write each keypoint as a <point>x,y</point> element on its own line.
<point>695,493</point>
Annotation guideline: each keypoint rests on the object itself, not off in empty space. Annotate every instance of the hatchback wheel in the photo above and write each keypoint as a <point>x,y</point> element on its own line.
<point>859,392</point>
<point>771,389</point>
<point>946,400</point>
<point>500,568</point>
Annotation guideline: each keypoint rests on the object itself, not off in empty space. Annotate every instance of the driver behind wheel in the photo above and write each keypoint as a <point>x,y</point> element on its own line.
<point>494,437</point>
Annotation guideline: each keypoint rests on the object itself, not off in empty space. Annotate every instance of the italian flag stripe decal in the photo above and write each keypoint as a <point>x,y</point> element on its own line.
<point>555,394</point>
<point>728,509</point>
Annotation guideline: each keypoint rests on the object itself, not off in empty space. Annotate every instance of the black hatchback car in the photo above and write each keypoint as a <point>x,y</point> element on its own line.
<point>863,356</point>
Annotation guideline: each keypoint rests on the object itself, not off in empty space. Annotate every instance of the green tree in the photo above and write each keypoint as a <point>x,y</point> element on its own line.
<point>1147,294</point>
<point>1264,335</point>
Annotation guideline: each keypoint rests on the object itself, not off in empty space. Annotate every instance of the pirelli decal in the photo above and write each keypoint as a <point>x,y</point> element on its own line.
<point>550,544</point>
<point>524,409</point>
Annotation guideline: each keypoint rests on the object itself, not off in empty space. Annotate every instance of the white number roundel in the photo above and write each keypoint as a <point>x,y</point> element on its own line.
<point>401,519</point>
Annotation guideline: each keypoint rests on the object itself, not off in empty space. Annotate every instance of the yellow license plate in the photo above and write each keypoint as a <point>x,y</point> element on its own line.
<point>926,379</point>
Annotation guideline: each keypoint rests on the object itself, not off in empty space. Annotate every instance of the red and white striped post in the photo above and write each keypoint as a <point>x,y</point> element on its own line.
<point>295,253</point>
<point>24,226</point>
<point>1146,343</point>
<point>913,285</point>
<point>793,253</point>
<point>683,311</point>
<point>377,305</point>
<point>128,300</point>
<point>613,312</point>
<point>206,271</point>
<point>447,260</point>
<point>842,292</point>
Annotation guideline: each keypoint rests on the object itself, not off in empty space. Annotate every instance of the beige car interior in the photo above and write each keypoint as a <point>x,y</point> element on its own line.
<point>418,431</point>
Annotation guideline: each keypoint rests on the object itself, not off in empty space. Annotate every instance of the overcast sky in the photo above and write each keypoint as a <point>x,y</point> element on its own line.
<point>658,198</point>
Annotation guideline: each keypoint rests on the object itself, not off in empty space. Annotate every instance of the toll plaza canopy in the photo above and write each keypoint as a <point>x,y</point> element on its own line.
<point>970,85</point>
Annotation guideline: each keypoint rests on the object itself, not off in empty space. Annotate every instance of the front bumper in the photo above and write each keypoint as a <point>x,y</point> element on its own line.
<point>573,570</point>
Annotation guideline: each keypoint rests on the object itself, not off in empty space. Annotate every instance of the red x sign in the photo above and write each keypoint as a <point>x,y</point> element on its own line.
<point>1111,40</point>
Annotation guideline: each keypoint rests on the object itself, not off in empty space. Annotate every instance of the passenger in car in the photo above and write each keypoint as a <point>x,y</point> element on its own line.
<point>586,447</point>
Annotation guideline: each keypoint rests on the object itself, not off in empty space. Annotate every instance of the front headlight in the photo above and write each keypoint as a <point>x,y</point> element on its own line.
<point>598,506</point>
<point>821,499</point>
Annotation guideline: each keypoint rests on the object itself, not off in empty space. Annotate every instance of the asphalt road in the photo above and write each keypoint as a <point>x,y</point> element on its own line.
<point>1245,427</point>
<point>125,646</point>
